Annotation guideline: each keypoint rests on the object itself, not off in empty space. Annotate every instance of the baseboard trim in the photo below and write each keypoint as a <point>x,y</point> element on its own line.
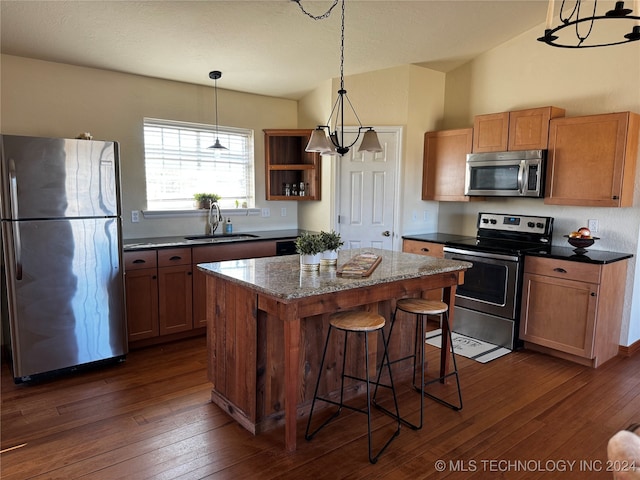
<point>629,351</point>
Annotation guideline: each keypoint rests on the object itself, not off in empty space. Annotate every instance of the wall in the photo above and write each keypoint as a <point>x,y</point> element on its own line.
<point>407,96</point>
<point>525,73</point>
<point>49,99</point>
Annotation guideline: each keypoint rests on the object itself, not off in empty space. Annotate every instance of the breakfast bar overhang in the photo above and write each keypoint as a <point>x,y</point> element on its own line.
<point>267,321</point>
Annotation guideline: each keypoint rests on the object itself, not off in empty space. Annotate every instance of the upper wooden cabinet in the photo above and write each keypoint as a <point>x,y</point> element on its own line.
<point>444,164</point>
<point>519,130</point>
<point>592,160</point>
<point>287,163</point>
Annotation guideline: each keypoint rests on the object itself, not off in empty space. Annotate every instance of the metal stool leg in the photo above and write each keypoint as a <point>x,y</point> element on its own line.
<point>453,372</point>
<point>388,363</point>
<point>372,458</point>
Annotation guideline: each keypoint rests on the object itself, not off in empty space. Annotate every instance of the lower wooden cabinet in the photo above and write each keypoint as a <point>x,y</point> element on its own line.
<point>429,249</point>
<point>141,286</point>
<point>166,293</point>
<point>175,287</point>
<point>572,309</point>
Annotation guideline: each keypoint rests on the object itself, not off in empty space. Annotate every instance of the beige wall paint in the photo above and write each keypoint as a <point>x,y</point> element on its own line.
<point>524,73</point>
<point>407,96</point>
<point>48,99</point>
<point>313,110</point>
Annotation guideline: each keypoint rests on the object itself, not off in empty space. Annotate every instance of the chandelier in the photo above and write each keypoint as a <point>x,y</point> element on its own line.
<point>572,15</point>
<point>215,75</point>
<point>329,140</point>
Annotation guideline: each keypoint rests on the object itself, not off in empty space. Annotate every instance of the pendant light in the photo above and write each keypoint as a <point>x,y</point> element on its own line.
<point>323,139</point>
<point>215,75</point>
<point>583,22</point>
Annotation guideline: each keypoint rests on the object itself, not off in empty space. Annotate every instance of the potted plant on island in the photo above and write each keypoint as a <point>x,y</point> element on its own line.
<point>331,243</point>
<point>204,200</point>
<point>309,246</point>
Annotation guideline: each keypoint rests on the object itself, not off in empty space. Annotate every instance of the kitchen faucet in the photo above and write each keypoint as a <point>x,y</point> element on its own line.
<point>215,217</point>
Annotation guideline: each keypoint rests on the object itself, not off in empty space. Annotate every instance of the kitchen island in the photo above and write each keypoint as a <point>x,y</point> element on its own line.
<point>267,321</point>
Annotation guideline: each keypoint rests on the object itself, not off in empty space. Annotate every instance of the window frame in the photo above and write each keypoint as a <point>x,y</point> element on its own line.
<point>250,168</point>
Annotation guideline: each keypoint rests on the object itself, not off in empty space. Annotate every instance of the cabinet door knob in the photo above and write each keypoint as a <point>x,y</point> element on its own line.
<point>615,197</point>
<point>593,294</point>
<point>386,233</point>
<point>559,270</point>
<point>424,249</point>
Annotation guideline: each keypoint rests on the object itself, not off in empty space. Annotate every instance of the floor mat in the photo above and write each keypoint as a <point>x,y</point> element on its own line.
<point>472,348</point>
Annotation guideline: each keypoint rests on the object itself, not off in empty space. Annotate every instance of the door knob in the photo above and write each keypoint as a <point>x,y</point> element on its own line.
<point>386,233</point>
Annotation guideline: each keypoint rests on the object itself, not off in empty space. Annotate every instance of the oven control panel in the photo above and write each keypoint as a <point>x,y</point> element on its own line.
<point>515,223</point>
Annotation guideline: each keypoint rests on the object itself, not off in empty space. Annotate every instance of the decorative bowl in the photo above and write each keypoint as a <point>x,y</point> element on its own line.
<point>581,243</point>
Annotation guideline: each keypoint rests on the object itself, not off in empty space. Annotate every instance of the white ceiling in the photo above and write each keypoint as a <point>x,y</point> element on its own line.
<point>265,47</point>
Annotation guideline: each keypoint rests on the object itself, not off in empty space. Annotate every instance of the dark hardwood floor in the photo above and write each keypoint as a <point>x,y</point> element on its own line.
<point>525,416</point>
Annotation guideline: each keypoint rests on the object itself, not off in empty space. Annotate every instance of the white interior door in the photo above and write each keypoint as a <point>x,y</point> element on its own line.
<point>367,192</point>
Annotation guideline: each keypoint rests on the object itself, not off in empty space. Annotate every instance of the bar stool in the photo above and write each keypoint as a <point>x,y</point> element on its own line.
<point>356,322</point>
<point>421,308</point>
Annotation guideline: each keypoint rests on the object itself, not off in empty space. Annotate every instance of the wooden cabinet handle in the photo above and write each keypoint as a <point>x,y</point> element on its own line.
<point>139,260</point>
<point>559,270</point>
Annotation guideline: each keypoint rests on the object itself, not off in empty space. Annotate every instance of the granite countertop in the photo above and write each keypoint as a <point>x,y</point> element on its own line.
<point>560,253</point>
<point>589,256</point>
<point>130,244</point>
<point>281,276</point>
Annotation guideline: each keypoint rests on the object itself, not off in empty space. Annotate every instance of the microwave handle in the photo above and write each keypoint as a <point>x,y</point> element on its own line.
<point>522,181</point>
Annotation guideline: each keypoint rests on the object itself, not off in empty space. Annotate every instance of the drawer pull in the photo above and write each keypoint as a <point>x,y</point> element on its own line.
<point>176,257</point>
<point>424,249</point>
<point>139,260</point>
<point>559,270</point>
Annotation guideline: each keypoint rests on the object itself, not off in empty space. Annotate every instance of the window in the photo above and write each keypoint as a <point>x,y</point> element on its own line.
<point>179,164</point>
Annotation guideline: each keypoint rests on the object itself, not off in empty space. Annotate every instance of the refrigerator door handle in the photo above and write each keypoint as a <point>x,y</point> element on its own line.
<point>15,229</point>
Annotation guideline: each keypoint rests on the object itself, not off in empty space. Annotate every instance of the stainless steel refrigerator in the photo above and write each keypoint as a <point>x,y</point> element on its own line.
<point>62,285</point>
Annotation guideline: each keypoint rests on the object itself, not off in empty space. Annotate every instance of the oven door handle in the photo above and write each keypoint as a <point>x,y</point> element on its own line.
<point>471,253</point>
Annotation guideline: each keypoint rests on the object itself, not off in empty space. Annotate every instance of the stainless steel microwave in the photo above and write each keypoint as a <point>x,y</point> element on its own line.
<point>505,174</point>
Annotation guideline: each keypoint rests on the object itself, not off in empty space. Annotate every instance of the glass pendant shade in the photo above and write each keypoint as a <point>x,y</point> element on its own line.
<point>370,142</point>
<point>318,142</point>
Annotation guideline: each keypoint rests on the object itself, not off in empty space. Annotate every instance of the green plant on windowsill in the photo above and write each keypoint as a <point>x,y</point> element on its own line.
<point>204,200</point>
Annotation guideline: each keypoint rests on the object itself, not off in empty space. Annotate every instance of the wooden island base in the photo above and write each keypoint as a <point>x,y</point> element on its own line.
<point>264,351</point>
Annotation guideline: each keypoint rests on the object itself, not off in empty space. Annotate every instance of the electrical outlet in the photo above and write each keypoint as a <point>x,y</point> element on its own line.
<point>592,225</point>
<point>135,216</point>
<point>266,212</point>
<point>283,212</point>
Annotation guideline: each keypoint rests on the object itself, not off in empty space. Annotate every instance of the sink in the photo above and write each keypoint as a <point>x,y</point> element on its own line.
<point>221,237</point>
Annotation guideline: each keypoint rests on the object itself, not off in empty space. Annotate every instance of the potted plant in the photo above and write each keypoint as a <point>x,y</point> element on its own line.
<point>204,200</point>
<point>309,246</point>
<point>331,242</point>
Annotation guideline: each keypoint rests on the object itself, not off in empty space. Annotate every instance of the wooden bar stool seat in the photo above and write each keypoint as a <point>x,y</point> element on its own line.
<point>422,307</point>
<point>358,322</point>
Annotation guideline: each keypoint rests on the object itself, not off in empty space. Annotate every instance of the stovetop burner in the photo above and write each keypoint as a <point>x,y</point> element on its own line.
<point>509,234</point>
